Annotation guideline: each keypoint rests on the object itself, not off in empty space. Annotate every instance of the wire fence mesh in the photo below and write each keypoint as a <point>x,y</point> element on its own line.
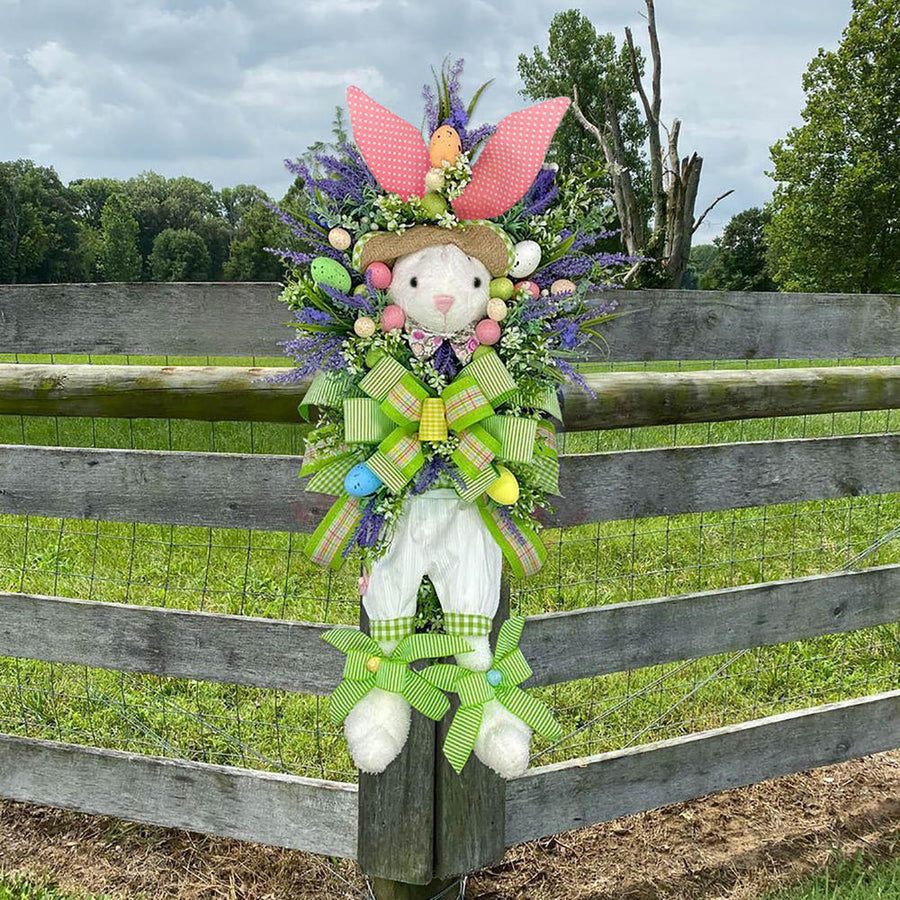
<point>266,574</point>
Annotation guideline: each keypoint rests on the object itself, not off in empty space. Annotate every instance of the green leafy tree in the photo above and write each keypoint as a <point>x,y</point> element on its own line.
<point>702,256</point>
<point>255,228</point>
<point>741,263</point>
<point>38,234</point>
<point>89,196</point>
<point>836,205</point>
<point>179,254</point>
<point>119,253</point>
<point>577,55</point>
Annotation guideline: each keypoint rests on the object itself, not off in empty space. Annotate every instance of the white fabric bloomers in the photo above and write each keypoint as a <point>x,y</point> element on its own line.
<point>445,538</point>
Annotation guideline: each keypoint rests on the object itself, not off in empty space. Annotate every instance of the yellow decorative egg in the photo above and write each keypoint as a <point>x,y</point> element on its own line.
<point>434,205</point>
<point>505,490</point>
<point>445,146</point>
<point>497,309</point>
<point>364,327</point>
<point>339,238</point>
<point>373,664</point>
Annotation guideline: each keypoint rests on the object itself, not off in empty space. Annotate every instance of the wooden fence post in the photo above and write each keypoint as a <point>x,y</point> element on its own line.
<point>470,808</point>
<point>420,824</point>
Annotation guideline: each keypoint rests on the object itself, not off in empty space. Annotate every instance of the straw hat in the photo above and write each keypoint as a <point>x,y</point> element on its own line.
<point>481,239</point>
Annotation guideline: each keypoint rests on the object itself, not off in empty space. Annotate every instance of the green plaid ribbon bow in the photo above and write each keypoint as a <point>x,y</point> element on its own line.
<point>499,683</point>
<point>392,413</point>
<point>367,667</point>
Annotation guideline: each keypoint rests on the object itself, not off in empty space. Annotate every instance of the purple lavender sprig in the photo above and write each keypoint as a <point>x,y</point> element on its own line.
<point>312,353</point>
<point>367,532</point>
<point>350,301</point>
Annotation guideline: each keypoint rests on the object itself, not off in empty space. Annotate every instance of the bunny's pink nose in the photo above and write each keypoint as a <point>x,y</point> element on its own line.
<point>443,302</point>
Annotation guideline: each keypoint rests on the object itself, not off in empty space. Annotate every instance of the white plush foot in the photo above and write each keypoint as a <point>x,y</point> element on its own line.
<point>504,741</point>
<point>480,657</point>
<point>376,730</point>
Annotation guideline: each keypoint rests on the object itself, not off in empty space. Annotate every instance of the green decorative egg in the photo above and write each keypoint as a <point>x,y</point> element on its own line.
<point>502,288</point>
<point>434,205</point>
<point>325,270</point>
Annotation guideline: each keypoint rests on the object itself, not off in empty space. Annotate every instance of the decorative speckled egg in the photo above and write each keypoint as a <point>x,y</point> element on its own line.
<point>380,275</point>
<point>497,309</point>
<point>502,288</point>
<point>361,481</point>
<point>505,490</point>
<point>528,258</point>
<point>529,286</point>
<point>339,238</point>
<point>392,317</point>
<point>487,331</point>
<point>562,286</point>
<point>434,204</point>
<point>325,270</point>
<point>445,146</point>
<point>434,180</point>
<point>364,327</point>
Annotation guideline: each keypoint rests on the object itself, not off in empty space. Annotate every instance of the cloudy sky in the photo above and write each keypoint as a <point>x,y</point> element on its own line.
<point>223,91</point>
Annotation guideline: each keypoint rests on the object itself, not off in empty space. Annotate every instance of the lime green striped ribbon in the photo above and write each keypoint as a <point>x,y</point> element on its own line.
<point>516,435</point>
<point>368,667</point>
<point>327,389</point>
<point>364,421</point>
<point>500,683</point>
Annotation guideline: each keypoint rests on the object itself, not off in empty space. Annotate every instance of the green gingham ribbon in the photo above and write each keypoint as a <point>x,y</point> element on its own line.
<point>509,670</point>
<point>328,475</point>
<point>368,667</point>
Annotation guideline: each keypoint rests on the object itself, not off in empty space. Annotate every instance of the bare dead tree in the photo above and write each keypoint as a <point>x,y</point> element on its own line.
<point>674,181</point>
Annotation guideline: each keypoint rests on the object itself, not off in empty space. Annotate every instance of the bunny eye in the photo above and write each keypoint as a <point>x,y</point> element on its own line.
<point>477,282</point>
<point>414,282</point>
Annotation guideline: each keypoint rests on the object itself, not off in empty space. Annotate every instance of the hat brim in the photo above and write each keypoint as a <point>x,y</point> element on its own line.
<point>485,241</point>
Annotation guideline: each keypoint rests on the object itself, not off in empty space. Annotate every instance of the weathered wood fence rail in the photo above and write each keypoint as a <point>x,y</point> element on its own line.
<point>433,813</point>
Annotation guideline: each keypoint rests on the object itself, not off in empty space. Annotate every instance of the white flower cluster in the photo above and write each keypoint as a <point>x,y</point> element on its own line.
<point>456,176</point>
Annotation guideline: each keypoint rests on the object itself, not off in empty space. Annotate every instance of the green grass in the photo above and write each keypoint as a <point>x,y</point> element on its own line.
<point>17,887</point>
<point>856,879</point>
<point>266,574</point>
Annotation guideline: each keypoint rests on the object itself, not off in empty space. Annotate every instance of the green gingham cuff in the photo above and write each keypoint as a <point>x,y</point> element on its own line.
<point>391,629</point>
<point>467,624</point>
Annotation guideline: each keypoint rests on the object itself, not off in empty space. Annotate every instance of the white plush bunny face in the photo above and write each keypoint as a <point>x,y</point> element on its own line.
<point>441,288</point>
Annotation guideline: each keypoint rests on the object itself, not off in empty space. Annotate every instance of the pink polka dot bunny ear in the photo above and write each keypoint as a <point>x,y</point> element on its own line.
<point>392,148</point>
<point>505,169</point>
<point>510,160</point>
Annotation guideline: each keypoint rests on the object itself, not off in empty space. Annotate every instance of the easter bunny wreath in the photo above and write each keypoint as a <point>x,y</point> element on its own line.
<point>439,313</point>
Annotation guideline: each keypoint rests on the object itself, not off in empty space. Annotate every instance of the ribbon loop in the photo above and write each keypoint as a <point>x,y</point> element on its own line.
<point>367,667</point>
<point>475,689</point>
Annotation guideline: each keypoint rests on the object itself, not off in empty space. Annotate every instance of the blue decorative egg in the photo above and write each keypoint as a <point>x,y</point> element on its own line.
<point>361,481</point>
<point>494,677</point>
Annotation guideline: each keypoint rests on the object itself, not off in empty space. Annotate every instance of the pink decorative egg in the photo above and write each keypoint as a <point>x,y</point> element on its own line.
<point>380,275</point>
<point>487,331</point>
<point>392,317</point>
<point>530,286</point>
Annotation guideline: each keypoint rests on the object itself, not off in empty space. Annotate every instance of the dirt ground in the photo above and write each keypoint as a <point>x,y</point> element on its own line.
<point>731,846</point>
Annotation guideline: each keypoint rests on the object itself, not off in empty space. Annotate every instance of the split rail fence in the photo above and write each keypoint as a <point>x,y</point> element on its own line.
<point>419,823</point>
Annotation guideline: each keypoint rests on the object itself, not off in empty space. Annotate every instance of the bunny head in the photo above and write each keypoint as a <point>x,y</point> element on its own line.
<point>441,288</point>
<point>470,248</point>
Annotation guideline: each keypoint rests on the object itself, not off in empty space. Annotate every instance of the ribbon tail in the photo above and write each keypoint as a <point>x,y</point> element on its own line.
<point>327,542</point>
<point>346,695</point>
<point>460,739</point>
<point>532,712</point>
<point>424,697</point>
<point>522,546</point>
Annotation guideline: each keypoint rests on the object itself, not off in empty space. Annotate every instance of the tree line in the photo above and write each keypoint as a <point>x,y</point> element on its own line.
<point>832,223</point>
<point>145,228</point>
